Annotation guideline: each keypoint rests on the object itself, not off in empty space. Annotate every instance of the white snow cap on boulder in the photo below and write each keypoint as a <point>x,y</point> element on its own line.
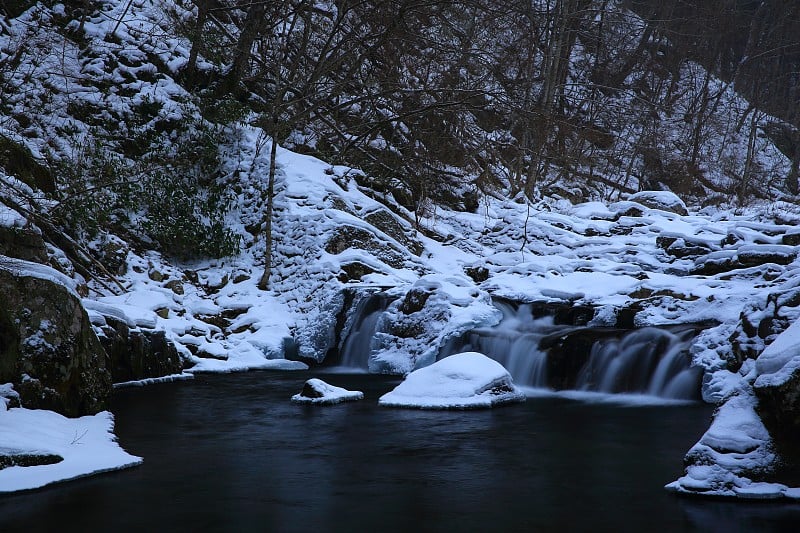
<point>462,381</point>
<point>317,392</point>
<point>664,200</point>
<point>779,360</point>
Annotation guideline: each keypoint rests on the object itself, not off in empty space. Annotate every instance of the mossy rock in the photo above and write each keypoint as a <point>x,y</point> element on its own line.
<point>49,351</point>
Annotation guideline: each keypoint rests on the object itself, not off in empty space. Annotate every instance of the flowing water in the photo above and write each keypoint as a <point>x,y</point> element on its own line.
<point>646,361</point>
<point>231,453</point>
<point>356,346</point>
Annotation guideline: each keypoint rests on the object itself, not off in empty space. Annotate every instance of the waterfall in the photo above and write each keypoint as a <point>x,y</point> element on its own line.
<point>514,343</point>
<point>356,346</point>
<point>651,361</point>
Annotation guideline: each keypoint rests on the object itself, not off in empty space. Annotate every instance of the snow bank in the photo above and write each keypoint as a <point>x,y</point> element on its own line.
<point>461,381</point>
<point>779,360</point>
<point>87,446</point>
<point>317,392</point>
<point>735,448</point>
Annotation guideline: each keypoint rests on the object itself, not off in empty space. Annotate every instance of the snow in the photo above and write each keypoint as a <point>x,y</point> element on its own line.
<point>23,268</point>
<point>736,447</point>
<point>462,381</point>
<point>665,200</point>
<point>317,392</point>
<point>87,446</point>
<point>781,359</point>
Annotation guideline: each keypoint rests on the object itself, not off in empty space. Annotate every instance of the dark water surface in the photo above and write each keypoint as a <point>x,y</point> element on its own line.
<point>231,453</point>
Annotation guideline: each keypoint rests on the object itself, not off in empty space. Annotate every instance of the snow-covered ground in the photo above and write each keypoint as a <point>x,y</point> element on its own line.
<point>85,445</point>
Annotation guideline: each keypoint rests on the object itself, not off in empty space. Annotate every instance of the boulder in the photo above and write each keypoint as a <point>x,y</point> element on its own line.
<point>317,392</point>
<point>23,242</point>
<point>387,223</point>
<point>663,200</point>
<point>48,349</point>
<point>346,237</point>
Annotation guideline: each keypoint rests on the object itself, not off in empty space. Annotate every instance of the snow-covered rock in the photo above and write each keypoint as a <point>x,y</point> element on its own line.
<point>462,381</point>
<point>779,360</point>
<point>317,392</point>
<point>736,448</point>
<point>664,200</point>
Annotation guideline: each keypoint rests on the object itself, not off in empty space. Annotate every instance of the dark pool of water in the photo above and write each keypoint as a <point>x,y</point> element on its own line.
<point>231,453</point>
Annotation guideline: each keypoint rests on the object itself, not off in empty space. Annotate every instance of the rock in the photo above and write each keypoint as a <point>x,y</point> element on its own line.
<point>23,243</point>
<point>466,380</point>
<point>138,354</point>
<point>28,459</point>
<point>49,350</point>
<point>346,236</point>
<point>18,161</point>
<point>759,254</point>
<point>778,384</point>
<point>155,275</point>
<point>176,286</point>
<point>734,451</point>
<point>238,278</point>
<point>415,300</point>
<point>477,273</point>
<point>387,223</point>
<point>791,238</point>
<point>112,252</point>
<point>317,338</point>
<point>681,246</point>
<point>317,392</point>
<point>354,271</point>
<point>663,200</point>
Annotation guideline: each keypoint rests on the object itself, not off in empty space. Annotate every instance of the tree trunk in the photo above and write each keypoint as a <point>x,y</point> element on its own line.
<point>197,41</point>
<point>244,46</point>
<point>263,283</point>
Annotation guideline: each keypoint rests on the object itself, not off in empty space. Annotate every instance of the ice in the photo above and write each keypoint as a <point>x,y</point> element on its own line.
<point>317,392</point>
<point>461,381</point>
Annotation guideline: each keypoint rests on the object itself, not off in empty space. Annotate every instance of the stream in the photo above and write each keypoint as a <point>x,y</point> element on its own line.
<point>231,453</point>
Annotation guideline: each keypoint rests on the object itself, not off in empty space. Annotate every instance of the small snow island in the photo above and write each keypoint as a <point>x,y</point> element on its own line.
<point>468,380</point>
<point>317,392</point>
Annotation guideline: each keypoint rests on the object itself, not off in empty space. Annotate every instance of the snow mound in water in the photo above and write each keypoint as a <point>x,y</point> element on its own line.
<point>462,381</point>
<point>317,392</point>
<point>735,448</point>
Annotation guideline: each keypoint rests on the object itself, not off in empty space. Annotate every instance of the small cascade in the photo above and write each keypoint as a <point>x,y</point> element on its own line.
<point>539,353</point>
<point>649,361</point>
<point>356,346</point>
<point>514,343</point>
